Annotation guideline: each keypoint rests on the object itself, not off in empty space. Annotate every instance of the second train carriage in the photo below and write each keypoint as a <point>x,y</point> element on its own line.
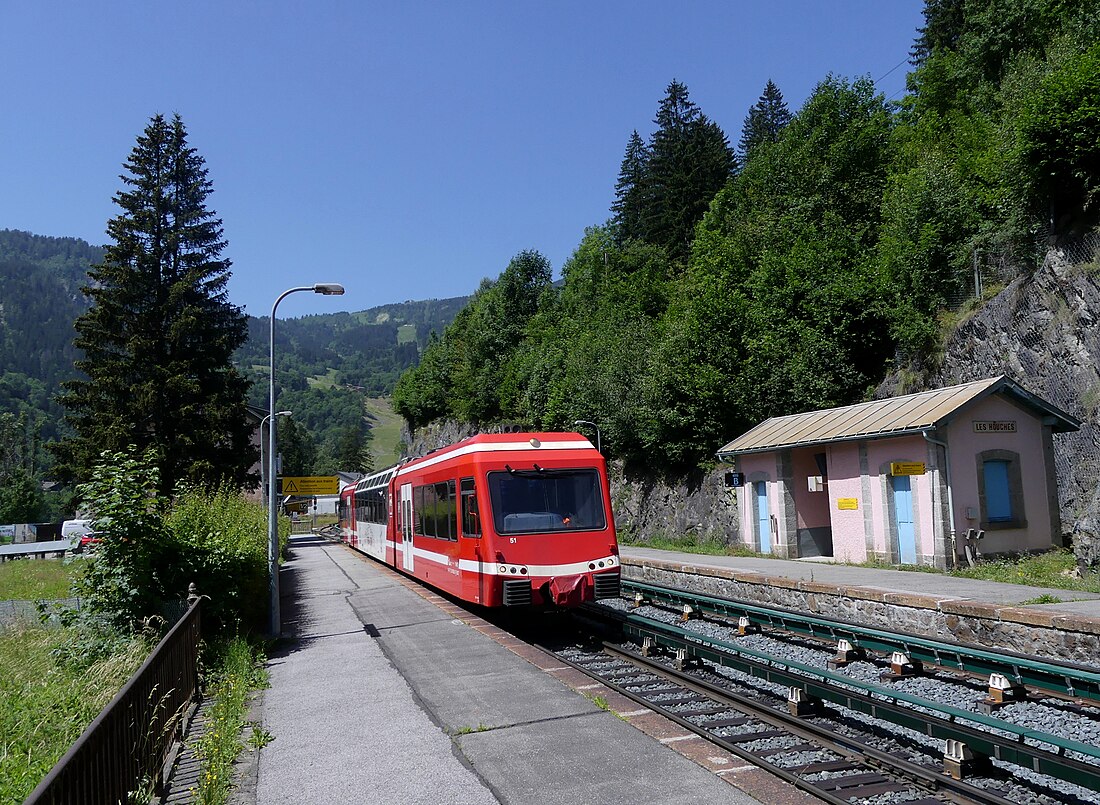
<point>497,519</point>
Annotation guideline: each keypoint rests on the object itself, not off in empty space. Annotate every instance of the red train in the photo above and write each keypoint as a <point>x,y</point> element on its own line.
<point>504,519</point>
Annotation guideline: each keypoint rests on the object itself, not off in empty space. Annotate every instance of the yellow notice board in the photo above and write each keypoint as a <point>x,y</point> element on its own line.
<point>907,468</point>
<point>309,485</point>
<point>847,504</point>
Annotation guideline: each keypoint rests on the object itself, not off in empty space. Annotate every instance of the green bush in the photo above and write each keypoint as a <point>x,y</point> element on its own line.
<point>221,544</point>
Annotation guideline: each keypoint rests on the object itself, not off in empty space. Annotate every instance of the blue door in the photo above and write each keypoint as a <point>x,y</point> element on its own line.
<point>903,518</point>
<point>763,518</point>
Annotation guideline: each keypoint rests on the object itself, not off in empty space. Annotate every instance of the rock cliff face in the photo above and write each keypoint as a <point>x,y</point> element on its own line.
<point>1041,332</point>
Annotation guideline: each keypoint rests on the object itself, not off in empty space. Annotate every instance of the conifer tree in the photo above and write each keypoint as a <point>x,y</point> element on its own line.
<point>630,190</point>
<point>765,120</point>
<point>690,161</point>
<point>159,336</point>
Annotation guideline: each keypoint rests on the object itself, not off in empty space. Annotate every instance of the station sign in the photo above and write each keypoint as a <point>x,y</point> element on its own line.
<point>847,504</point>
<point>907,468</point>
<point>309,485</point>
<point>994,426</point>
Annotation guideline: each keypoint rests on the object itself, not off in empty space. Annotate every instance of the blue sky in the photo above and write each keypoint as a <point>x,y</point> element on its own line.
<point>403,149</point>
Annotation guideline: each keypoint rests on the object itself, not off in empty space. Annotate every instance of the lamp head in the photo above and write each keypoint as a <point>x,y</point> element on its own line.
<point>329,288</point>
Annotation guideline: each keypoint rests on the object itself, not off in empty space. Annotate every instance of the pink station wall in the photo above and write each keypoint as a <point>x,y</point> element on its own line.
<point>845,481</point>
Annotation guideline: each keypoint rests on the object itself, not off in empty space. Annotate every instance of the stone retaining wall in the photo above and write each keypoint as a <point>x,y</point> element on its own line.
<point>1023,629</point>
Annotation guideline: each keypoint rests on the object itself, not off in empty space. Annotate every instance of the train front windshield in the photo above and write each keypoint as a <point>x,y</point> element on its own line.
<point>536,501</point>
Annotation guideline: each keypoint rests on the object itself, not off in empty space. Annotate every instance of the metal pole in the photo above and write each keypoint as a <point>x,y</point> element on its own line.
<point>599,446</point>
<point>275,622</point>
<point>263,463</point>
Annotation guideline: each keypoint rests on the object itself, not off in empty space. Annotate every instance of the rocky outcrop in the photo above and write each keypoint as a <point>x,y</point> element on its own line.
<point>1041,331</point>
<point>700,506</point>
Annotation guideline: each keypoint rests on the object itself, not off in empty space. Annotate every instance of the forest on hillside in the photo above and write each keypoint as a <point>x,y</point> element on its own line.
<point>798,268</point>
<point>326,364</point>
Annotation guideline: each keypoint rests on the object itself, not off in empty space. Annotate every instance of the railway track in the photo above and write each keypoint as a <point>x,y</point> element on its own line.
<point>842,737</point>
<point>838,768</point>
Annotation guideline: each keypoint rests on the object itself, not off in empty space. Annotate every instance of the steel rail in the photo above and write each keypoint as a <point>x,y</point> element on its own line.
<point>1006,743</point>
<point>1070,679</point>
<point>840,744</point>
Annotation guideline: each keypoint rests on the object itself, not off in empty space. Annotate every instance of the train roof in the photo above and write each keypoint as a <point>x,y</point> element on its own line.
<point>528,442</point>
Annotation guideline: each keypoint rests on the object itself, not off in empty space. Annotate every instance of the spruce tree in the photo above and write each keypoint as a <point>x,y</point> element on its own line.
<point>690,161</point>
<point>630,190</point>
<point>765,120</point>
<point>159,336</point>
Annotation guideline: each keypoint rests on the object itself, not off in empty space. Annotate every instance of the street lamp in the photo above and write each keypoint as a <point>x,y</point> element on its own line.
<point>594,425</point>
<point>263,464</point>
<point>275,624</point>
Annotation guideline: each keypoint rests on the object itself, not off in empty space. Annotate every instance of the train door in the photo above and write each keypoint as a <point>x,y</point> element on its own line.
<point>407,526</point>
<point>903,519</point>
<point>763,516</point>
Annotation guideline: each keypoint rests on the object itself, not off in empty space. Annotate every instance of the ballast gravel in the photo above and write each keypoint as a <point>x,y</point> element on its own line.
<point>1042,716</point>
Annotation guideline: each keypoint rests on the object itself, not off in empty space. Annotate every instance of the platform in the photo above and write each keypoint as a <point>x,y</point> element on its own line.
<point>385,692</point>
<point>973,611</point>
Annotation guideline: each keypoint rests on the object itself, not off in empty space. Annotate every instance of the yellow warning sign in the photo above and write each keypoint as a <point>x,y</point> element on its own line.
<point>847,504</point>
<point>309,485</point>
<point>907,468</point>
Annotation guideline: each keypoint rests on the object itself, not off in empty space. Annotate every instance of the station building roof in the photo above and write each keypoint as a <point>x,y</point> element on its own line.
<point>896,416</point>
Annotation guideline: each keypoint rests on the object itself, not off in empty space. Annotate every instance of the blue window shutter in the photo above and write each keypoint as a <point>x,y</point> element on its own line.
<point>998,501</point>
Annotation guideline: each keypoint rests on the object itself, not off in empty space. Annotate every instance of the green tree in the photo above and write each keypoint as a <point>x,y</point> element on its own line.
<point>630,190</point>
<point>21,496</point>
<point>159,337</point>
<point>1057,143</point>
<point>690,161</point>
<point>765,120</point>
<point>296,446</point>
<point>126,582</point>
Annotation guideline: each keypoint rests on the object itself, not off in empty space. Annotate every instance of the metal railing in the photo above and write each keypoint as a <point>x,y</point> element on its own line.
<point>121,756</point>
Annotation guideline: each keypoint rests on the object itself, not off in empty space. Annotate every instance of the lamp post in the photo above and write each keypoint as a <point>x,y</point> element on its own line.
<point>594,425</point>
<point>263,464</point>
<point>275,623</point>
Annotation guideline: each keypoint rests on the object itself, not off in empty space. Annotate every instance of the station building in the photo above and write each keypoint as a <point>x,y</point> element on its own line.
<point>919,479</point>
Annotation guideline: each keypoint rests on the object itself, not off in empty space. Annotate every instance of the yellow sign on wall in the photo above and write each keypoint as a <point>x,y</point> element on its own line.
<point>309,485</point>
<point>847,504</point>
<point>907,468</point>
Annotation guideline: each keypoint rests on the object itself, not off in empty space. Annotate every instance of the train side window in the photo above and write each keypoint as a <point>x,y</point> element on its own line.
<point>471,521</point>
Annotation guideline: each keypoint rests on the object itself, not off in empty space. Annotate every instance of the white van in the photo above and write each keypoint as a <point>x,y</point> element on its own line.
<point>75,529</point>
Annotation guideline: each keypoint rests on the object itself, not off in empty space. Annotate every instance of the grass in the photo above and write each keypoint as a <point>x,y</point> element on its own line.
<point>237,670</point>
<point>325,381</point>
<point>1052,569</point>
<point>45,704</point>
<point>35,579</point>
<point>406,333</point>
<point>385,431</point>
<point>685,544</point>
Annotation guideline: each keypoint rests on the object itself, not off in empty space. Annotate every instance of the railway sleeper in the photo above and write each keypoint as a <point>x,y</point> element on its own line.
<point>902,667</point>
<point>847,652</point>
<point>1001,692</point>
<point>960,761</point>
<point>801,704</point>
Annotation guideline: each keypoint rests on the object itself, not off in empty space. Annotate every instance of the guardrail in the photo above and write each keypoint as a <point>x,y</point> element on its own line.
<point>128,746</point>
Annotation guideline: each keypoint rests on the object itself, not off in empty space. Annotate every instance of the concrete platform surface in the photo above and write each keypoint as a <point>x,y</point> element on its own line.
<point>936,585</point>
<point>385,692</point>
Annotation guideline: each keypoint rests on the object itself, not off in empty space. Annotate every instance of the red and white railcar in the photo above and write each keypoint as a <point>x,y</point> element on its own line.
<point>497,519</point>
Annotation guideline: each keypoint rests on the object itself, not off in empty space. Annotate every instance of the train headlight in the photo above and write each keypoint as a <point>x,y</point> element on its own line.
<point>503,569</point>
